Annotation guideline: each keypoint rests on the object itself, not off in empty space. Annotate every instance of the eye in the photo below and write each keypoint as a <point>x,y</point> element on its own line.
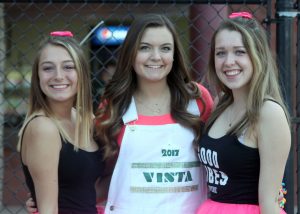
<point>240,52</point>
<point>220,53</point>
<point>144,48</point>
<point>48,68</point>
<point>69,67</point>
<point>166,48</point>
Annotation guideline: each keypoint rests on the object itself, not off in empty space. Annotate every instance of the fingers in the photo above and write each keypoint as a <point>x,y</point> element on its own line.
<point>30,206</point>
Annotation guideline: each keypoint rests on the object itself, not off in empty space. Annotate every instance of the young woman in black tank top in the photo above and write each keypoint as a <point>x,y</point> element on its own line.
<point>61,161</point>
<point>247,138</point>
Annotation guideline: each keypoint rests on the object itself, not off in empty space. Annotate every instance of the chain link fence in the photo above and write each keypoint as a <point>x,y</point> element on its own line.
<point>23,25</point>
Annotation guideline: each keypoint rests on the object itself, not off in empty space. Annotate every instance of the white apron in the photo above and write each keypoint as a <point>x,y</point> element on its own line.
<point>157,170</point>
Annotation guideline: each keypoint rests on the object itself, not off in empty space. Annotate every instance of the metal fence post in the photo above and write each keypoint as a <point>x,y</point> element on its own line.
<point>298,102</point>
<point>2,61</point>
<point>284,54</point>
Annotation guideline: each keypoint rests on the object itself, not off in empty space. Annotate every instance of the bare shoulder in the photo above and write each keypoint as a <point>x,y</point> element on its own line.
<point>41,138</point>
<point>42,126</point>
<point>40,131</point>
<point>273,124</point>
<point>272,112</point>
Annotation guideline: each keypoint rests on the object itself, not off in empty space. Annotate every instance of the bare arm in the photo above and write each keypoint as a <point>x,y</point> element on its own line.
<point>274,141</point>
<point>40,152</point>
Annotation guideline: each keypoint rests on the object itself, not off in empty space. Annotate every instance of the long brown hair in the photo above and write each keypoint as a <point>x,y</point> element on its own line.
<point>118,93</point>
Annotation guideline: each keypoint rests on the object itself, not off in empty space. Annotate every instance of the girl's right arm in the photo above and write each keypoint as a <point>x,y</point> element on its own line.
<point>40,152</point>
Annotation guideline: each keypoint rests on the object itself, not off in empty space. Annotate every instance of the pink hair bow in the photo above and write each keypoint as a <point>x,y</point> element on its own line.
<point>62,33</point>
<point>245,15</point>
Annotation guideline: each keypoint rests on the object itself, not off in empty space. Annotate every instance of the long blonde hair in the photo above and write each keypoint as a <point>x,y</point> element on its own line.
<point>83,103</point>
<point>264,83</point>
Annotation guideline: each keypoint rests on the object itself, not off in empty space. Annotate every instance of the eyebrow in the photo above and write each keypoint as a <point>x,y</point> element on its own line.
<point>146,43</point>
<point>50,62</point>
<point>235,47</point>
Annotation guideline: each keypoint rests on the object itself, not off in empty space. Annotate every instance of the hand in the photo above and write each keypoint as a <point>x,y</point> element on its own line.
<point>30,205</point>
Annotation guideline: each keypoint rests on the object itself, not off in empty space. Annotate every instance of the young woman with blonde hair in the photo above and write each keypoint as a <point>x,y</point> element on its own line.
<point>247,138</point>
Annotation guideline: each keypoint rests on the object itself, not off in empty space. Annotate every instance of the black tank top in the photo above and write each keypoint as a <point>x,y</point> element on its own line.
<point>77,174</point>
<point>232,169</point>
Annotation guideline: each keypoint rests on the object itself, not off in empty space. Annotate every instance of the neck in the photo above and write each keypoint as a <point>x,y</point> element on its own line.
<point>239,100</point>
<point>149,91</point>
<point>240,95</point>
<point>153,100</point>
<point>62,111</point>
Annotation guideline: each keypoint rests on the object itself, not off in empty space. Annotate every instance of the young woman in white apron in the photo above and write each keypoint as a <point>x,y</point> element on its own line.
<point>151,117</point>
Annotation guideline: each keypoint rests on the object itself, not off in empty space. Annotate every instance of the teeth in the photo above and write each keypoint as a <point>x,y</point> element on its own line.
<point>154,66</point>
<point>232,73</point>
<point>59,86</point>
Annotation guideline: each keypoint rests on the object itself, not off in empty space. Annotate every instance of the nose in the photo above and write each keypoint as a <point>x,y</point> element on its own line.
<point>229,60</point>
<point>59,75</point>
<point>155,55</point>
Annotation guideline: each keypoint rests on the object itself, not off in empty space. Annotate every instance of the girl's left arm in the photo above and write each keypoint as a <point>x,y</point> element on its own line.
<point>274,141</point>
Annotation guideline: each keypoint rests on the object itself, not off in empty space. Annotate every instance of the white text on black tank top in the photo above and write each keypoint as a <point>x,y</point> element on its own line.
<point>215,177</point>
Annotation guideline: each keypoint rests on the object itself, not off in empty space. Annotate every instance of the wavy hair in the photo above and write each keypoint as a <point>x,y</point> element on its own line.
<point>118,93</point>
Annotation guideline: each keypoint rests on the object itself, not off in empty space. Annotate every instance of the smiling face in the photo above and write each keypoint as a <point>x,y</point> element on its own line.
<point>155,54</point>
<point>232,63</point>
<point>57,74</point>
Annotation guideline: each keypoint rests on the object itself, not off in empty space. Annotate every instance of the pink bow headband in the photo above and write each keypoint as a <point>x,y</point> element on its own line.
<point>245,15</point>
<point>62,33</point>
<point>70,34</point>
